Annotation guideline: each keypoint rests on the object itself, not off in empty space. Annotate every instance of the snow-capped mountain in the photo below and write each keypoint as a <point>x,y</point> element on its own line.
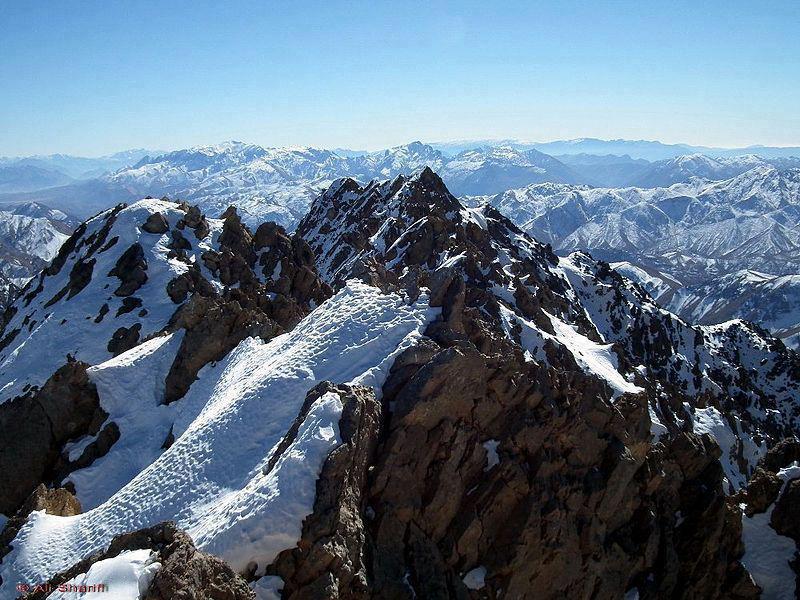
<point>406,398</point>
<point>264,183</point>
<point>770,300</point>
<point>26,178</point>
<point>30,236</point>
<point>683,169</point>
<point>698,229</point>
<point>280,183</point>
<point>707,251</point>
<point>494,169</point>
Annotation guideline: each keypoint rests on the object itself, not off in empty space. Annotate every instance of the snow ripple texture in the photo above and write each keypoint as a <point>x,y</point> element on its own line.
<point>214,481</point>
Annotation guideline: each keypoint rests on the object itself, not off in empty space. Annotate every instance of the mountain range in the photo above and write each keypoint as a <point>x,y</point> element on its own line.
<point>407,397</point>
<point>280,183</point>
<point>642,149</point>
<point>630,212</point>
<point>687,243</point>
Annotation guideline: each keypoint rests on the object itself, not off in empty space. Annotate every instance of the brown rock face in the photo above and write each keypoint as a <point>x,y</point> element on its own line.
<point>494,462</point>
<point>781,455</point>
<point>785,517</point>
<point>188,573</point>
<point>156,223</point>
<point>123,339</point>
<point>761,491</point>
<point>131,270</point>
<point>58,501</point>
<point>37,426</point>
<point>260,305</point>
<point>213,328</point>
<point>328,561</point>
<point>185,572</point>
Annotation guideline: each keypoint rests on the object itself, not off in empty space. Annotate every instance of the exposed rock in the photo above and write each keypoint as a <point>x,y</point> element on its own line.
<point>236,236</point>
<point>178,241</point>
<point>129,304</point>
<point>102,313</point>
<point>195,220</point>
<point>785,519</point>
<point>124,338</point>
<point>57,501</point>
<point>79,277</point>
<point>131,270</point>
<point>761,491</point>
<point>37,426</point>
<point>781,455</point>
<point>185,572</point>
<point>213,327</point>
<point>156,223</point>
<point>580,505</point>
<point>191,281</point>
<point>188,573</point>
<point>328,561</point>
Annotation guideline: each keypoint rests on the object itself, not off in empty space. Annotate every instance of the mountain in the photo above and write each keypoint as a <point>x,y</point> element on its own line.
<point>30,236</point>
<point>683,168</point>
<point>769,300</point>
<point>638,149</point>
<point>493,170</point>
<point>280,183</point>
<point>605,171</point>
<point>82,199</point>
<point>405,398</point>
<point>690,231</point>
<point>26,178</point>
<point>79,167</point>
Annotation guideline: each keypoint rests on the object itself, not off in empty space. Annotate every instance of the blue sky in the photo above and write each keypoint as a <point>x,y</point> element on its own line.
<point>92,77</point>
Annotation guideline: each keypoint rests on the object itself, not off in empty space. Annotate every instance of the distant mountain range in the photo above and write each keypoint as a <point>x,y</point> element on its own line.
<point>30,236</point>
<point>692,245</point>
<point>280,183</point>
<point>649,150</point>
<point>81,167</point>
<point>692,220</point>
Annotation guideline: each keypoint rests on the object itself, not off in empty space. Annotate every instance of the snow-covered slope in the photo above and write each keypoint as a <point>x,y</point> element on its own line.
<point>179,362</point>
<point>690,231</point>
<point>683,169</point>
<point>770,300</point>
<point>30,236</point>
<point>280,183</point>
<point>226,480</point>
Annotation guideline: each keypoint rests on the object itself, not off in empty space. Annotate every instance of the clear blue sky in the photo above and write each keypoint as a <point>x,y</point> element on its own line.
<point>93,77</point>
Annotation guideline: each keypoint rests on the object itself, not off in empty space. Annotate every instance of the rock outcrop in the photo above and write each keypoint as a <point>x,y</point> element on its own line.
<point>184,572</point>
<point>37,426</point>
<point>54,501</point>
<point>329,560</point>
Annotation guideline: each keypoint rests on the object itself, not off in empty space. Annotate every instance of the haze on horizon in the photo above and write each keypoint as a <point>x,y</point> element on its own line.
<point>91,78</point>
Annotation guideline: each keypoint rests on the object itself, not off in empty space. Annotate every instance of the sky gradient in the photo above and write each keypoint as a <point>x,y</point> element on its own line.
<point>90,77</point>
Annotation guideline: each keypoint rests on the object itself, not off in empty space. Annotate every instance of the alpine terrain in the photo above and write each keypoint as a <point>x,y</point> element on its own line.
<point>707,250</point>
<point>401,397</point>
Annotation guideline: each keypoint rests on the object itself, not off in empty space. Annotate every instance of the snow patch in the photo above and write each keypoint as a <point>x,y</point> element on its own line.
<point>597,359</point>
<point>767,554</point>
<point>123,577</point>
<point>491,453</point>
<point>475,579</point>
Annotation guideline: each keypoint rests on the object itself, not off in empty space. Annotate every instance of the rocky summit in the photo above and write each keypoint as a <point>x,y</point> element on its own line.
<point>405,398</point>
